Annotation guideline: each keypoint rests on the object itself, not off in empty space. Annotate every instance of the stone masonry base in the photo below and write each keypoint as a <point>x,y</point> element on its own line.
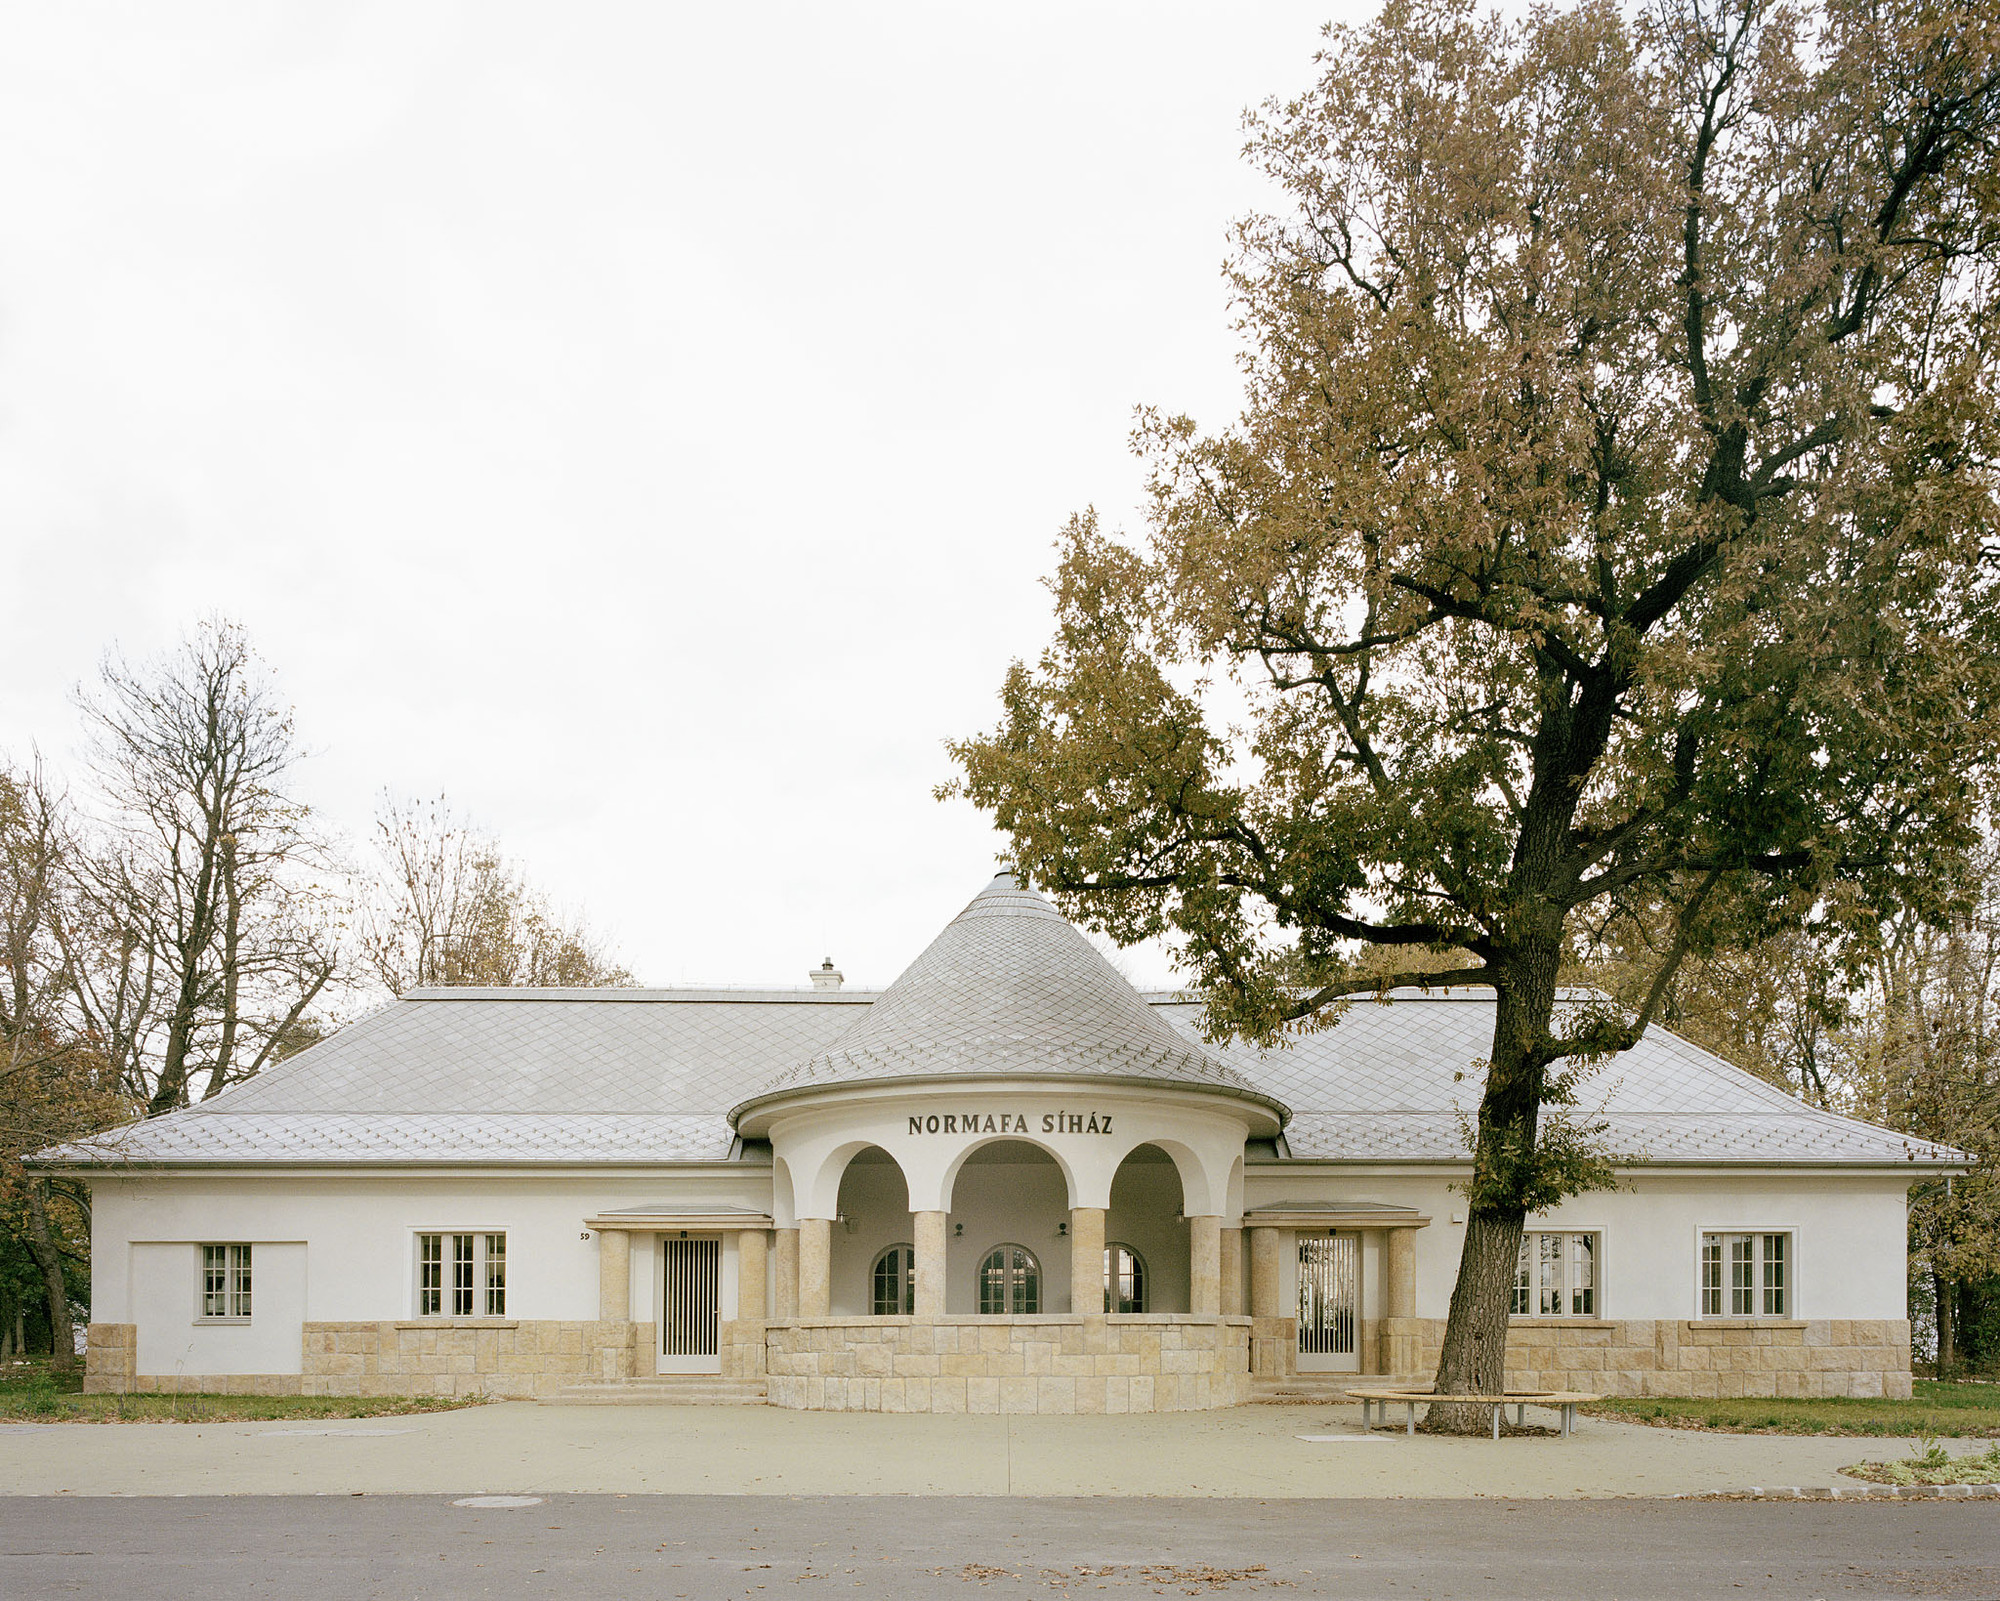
<point>1677,1356</point>
<point>1051,1364</point>
<point>501,1357</point>
<point>1153,1363</point>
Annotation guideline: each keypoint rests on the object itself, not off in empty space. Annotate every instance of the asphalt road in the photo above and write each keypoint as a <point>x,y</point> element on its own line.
<point>701,1547</point>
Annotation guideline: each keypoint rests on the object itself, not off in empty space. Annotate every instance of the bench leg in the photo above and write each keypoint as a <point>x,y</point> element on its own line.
<point>1520,1413</point>
<point>1569,1418</point>
<point>1410,1423</point>
<point>1497,1409</point>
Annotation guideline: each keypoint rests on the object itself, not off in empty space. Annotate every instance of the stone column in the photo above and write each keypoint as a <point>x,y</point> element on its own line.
<point>614,1275</point>
<point>930,1242</point>
<point>815,1267</point>
<point>785,1266</point>
<point>1205,1266</point>
<point>743,1336</point>
<point>1273,1330</point>
<point>1401,1344</point>
<point>1232,1272</point>
<point>750,1275</point>
<point>1086,1261</point>
<point>1266,1279</point>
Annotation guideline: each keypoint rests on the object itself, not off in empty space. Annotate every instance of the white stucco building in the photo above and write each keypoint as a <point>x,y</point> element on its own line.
<point>1009,1182</point>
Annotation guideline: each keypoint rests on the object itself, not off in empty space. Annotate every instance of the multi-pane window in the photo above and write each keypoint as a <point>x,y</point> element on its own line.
<point>1010,1282</point>
<point>461,1275</point>
<point>225,1281</point>
<point>1124,1279</point>
<point>894,1282</point>
<point>1556,1275</point>
<point>1746,1275</point>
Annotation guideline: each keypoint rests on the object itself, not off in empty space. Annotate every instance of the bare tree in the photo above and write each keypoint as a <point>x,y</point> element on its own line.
<point>215,891</point>
<point>449,909</point>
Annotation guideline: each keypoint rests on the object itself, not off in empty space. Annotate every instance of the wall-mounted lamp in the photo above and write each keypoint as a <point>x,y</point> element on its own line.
<point>958,1231</point>
<point>1062,1229</point>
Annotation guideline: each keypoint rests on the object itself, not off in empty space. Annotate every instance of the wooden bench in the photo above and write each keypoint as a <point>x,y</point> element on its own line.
<point>1520,1400</point>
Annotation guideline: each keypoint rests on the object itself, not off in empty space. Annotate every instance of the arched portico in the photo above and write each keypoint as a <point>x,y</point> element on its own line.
<point>1044,1159</point>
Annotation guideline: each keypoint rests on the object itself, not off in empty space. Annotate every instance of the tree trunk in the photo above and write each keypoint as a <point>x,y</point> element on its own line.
<point>1947,1357</point>
<point>1473,1360</point>
<point>42,1247</point>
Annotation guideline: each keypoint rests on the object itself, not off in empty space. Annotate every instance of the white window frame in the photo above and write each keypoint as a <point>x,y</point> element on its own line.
<point>907,1291</point>
<point>1730,1295</point>
<point>1142,1276</point>
<point>485,1292</point>
<point>234,1291</point>
<point>1015,1280</point>
<point>1567,1290</point>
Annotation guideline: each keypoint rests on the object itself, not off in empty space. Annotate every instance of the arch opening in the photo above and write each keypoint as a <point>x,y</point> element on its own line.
<point>1146,1218</point>
<point>1007,1194</point>
<point>873,1218</point>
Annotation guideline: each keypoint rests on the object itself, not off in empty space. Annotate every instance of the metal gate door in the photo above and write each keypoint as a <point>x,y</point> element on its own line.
<point>691,1279</point>
<point>1329,1300</point>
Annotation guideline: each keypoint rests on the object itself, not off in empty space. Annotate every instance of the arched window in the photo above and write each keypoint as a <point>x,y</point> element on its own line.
<point>1010,1282</point>
<point>1124,1279</point>
<point>895,1282</point>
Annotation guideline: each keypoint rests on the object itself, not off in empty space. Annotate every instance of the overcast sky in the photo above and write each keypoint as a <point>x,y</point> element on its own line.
<point>647,424</point>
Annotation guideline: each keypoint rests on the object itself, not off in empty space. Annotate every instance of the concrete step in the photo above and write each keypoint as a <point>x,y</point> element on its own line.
<point>666,1389</point>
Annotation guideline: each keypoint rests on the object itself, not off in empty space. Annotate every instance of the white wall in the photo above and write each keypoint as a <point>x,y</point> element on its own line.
<point>1850,1236</point>
<point>342,1249</point>
<point>165,1293</point>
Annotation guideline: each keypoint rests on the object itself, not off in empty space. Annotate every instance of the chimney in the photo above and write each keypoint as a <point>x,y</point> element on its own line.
<point>826,976</point>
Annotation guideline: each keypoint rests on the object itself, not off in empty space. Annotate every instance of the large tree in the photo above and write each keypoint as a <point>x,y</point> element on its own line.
<point>1610,518</point>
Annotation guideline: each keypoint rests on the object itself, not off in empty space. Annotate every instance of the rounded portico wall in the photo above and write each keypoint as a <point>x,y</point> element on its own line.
<point>1141,1156</point>
<point>1087,1129</point>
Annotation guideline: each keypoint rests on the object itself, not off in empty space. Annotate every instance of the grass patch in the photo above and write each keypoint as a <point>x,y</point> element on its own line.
<point>1936,1411</point>
<point>30,1393</point>
<point>1934,1465</point>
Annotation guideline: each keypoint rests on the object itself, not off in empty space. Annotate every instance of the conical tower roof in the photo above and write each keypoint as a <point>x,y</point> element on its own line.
<point>1010,990</point>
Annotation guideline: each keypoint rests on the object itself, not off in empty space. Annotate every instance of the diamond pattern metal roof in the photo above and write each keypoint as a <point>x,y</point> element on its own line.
<point>200,1137</point>
<point>648,1076</point>
<point>564,1051</point>
<point>1390,1080</point>
<point>1010,989</point>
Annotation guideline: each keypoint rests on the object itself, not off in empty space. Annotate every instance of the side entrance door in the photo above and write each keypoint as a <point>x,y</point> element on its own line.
<point>1330,1303</point>
<point>690,1296</point>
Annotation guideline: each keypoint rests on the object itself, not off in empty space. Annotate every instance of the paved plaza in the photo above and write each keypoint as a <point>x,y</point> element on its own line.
<point>1250,1453</point>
